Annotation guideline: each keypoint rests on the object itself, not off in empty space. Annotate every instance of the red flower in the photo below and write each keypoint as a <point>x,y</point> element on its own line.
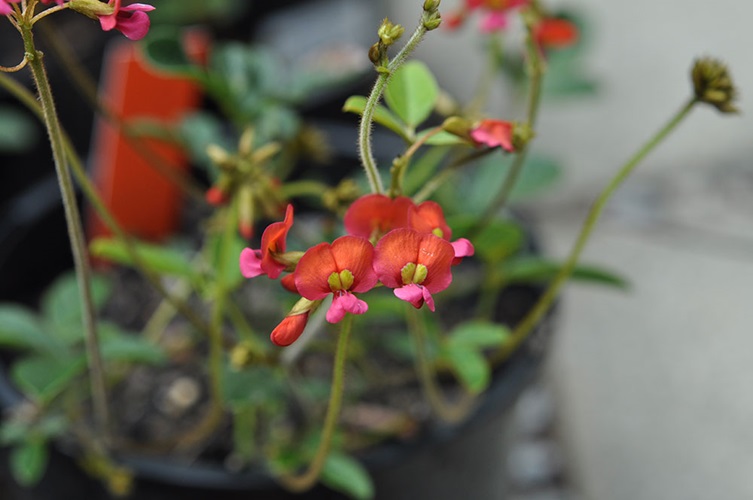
<point>373,215</point>
<point>289,329</point>
<point>428,217</point>
<point>555,33</point>
<point>340,268</point>
<point>493,133</point>
<point>130,20</point>
<point>266,260</point>
<point>415,264</point>
<point>494,16</point>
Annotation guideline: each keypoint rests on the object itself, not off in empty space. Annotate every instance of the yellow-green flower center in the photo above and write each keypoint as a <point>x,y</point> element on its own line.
<point>438,232</point>
<point>413,273</point>
<point>340,281</point>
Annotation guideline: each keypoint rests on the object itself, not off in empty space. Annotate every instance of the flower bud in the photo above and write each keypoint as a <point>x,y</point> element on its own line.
<point>458,126</point>
<point>91,8</point>
<point>522,133</point>
<point>432,20</point>
<point>389,33</point>
<point>431,5</point>
<point>713,85</point>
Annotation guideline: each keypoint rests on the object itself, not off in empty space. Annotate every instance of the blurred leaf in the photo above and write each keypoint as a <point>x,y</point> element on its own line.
<point>43,377</point>
<point>531,269</point>
<point>538,173</point>
<point>189,12</point>
<point>423,168</point>
<point>471,367</point>
<point>117,345</point>
<point>61,305</point>
<point>199,130</point>
<point>383,116</point>
<point>29,461</point>
<point>346,474</point>
<point>160,259</point>
<point>412,92</point>
<point>495,242</point>
<point>225,260</point>
<point>441,139</point>
<point>18,130</point>
<point>20,329</point>
<point>253,385</point>
<point>477,335</point>
<point>163,48</point>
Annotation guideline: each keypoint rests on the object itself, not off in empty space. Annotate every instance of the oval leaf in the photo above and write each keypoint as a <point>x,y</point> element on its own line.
<point>346,474</point>
<point>20,329</point>
<point>28,462</point>
<point>43,377</point>
<point>538,270</point>
<point>412,93</point>
<point>478,335</point>
<point>61,304</point>
<point>471,367</point>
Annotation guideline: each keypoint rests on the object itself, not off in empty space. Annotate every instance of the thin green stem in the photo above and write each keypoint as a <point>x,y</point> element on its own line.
<point>400,165</point>
<point>449,412</point>
<point>75,233</point>
<point>364,130</point>
<point>536,74</point>
<point>536,313</point>
<point>309,477</point>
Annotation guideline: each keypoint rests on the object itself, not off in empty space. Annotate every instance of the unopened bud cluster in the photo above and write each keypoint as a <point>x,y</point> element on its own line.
<point>713,85</point>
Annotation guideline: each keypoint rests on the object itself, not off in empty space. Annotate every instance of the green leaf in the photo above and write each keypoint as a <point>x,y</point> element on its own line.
<point>345,474</point>
<point>255,385</point>
<point>383,116</point>
<point>28,462</point>
<point>43,377</point>
<point>532,269</point>
<point>477,335</point>
<point>163,48</point>
<point>471,367</point>
<point>61,304</point>
<point>441,138</point>
<point>21,329</point>
<point>412,93</point>
<point>18,130</point>
<point>423,168</point>
<point>121,346</point>
<point>160,259</point>
<point>497,241</point>
<point>225,260</point>
<point>539,173</point>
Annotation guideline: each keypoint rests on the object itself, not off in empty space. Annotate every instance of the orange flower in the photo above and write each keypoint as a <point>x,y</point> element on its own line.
<point>266,259</point>
<point>373,215</point>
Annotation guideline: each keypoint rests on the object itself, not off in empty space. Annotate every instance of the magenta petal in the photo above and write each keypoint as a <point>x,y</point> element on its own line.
<point>463,248</point>
<point>413,294</point>
<point>108,22</point>
<point>134,26</point>
<point>353,304</point>
<point>493,21</point>
<point>428,298</point>
<point>143,7</point>
<point>250,262</point>
<point>336,311</point>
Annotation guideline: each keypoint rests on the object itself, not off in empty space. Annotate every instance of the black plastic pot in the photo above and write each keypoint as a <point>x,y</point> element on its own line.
<point>443,462</point>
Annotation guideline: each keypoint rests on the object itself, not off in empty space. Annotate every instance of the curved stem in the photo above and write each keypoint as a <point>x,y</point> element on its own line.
<point>537,70</point>
<point>400,166</point>
<point>449,412</point>
<point>536,313</point>
<point>47,12</point>
<point>364,130</point>
<point>309,477</point>
<point>75,232</point>
<point>17,67</point>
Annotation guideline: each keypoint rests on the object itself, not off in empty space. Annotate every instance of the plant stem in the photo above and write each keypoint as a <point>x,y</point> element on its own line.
<point>449,412</point>
<point>536,313</point>
<point>364,130</point>
<point>75,233</point>
<point>308,478</point>
<point>536,71</point>
<point>400,165</point>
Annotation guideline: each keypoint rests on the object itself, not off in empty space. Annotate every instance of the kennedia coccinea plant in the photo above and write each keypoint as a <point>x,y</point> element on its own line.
<point>399,255</point>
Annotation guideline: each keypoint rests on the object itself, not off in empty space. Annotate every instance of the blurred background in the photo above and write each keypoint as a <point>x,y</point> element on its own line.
<point>649,387</point>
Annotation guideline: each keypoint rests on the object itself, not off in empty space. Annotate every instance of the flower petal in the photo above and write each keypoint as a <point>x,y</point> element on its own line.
<point>463,248</point>
<point>357,256</point>
<point>250,263</point>
<point>416,295</point>
<point>289,329</point>
<point>376,214</point>
<point>273,241</point>
<point>428,217</point>
<point>313,271</point>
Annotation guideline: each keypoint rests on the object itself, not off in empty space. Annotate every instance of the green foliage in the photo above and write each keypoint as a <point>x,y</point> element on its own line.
<point>383,116</point>
<point>345,474</point>
<point>412,93</point>
<point>21,329</point>
<point>463,350</point>
<point>533,269</point>
<point>159,258</point>
<point>18,131</point>
<point>28,461</point>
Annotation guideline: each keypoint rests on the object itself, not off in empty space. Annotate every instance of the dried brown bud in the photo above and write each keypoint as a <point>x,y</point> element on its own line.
<point>713,85</point>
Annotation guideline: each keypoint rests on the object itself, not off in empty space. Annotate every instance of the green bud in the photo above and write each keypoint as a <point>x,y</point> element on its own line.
<point>459,126</point>
<point>432,20</point>
<point>713,85</point>
<point>389,33</point>
<point>522,133</point>
<point>431,5</point>
<point>91,8</point>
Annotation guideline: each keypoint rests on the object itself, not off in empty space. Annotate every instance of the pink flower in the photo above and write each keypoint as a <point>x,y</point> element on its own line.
<point>428,217</point>
<point>47,2</point>
<point>341,268</point>
<point>493,133</point>
<point>5,7</point>
<point>273,242</point>
<point>130,20</point>
<point>415,264</point>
